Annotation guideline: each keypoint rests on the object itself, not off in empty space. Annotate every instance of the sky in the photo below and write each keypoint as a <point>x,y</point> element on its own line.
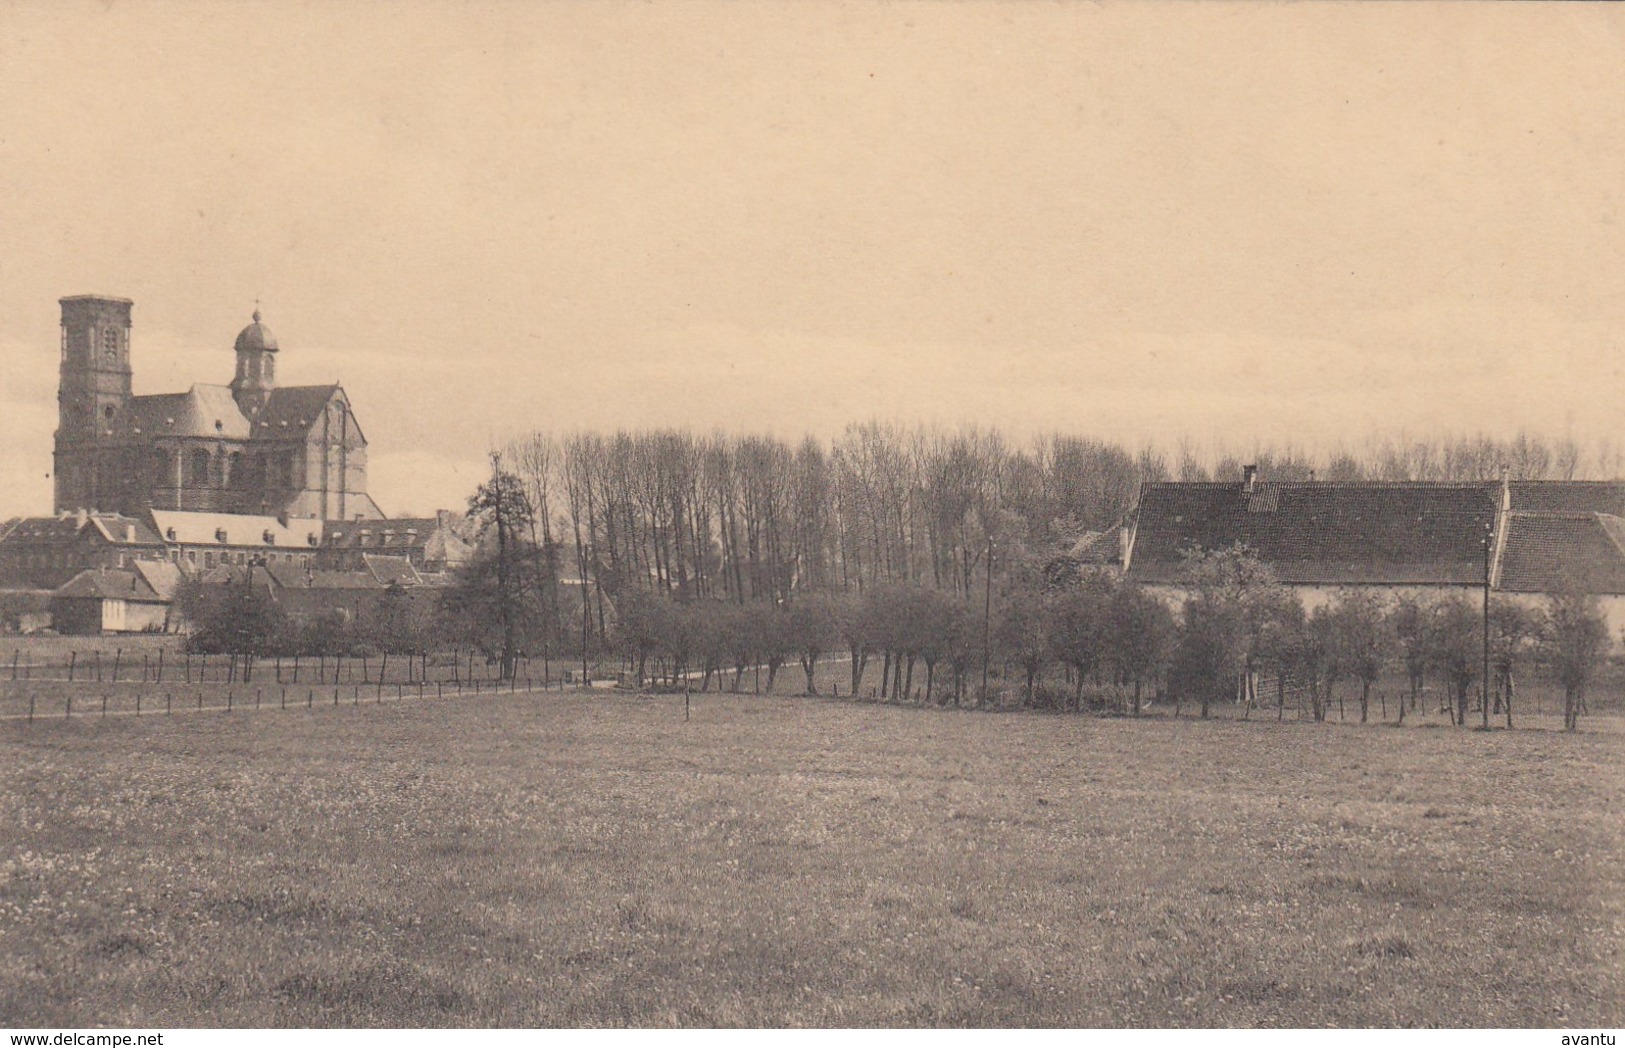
<point>1233,222</point>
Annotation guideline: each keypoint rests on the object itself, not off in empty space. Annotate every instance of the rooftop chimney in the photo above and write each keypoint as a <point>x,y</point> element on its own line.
<point>1249,478</point>
<point>129,533</point>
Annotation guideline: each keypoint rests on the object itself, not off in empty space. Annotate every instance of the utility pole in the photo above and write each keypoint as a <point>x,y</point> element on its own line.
<point>1485,682</point>
<point>987,620</point>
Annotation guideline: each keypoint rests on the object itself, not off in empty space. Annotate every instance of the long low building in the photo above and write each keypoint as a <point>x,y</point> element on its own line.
<point>1527,538</point>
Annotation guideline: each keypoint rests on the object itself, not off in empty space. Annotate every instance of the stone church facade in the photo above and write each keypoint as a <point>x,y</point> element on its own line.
<point>249,447</point>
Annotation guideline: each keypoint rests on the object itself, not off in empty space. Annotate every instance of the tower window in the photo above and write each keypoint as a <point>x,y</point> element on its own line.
<point>110,345</point>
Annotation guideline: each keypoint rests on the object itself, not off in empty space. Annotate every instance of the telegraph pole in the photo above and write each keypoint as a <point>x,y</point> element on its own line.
<point>987,620</point>
<point>1485,683</point>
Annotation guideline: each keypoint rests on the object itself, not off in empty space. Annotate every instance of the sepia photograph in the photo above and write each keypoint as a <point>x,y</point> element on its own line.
<point>825,515</point>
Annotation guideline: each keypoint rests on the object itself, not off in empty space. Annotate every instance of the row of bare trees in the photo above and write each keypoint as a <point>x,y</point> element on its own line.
<point>1239,625</point>
<point>1235,628</point>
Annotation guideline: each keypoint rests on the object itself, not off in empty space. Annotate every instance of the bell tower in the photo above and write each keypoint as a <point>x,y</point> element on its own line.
<point>256,350</point>
<point>93,401</point>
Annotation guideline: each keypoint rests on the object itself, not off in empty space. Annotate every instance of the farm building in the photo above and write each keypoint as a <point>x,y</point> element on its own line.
<point>1530,538</point>
<point>103,600</point>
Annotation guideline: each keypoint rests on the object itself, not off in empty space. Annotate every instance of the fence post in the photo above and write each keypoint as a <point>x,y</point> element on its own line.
<point>284,698</point>
<point>167,697</point>
<point>97,656</point>
<point>118,657</point>
<point>310,698</point>
<point>68,715</point>
<point>335,696</point>
<point>14,654</point>
<point>256,698</point>
<point>437,692</point>
<point>73,662</point>
<point>188,666</point>
<point>144,662</point>
<point>138,704</point>
<point>200,699</point>
<point>104,705</point>
<point>30,708</point>
<point>228,700</point>
<point>160,665</point>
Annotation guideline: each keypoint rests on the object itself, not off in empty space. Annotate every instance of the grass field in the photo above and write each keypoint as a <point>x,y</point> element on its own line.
<point>576,859</point>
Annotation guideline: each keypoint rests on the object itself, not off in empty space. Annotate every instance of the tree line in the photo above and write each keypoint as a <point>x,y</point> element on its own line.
<point>930,551</point>
<point>758,519</point>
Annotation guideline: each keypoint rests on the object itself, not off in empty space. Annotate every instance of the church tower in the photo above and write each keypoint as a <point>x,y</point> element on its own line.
<point>256,367</point>
<point>93,403</point>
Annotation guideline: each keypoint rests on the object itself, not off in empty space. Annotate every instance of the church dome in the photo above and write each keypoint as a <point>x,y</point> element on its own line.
<point>256,337</point>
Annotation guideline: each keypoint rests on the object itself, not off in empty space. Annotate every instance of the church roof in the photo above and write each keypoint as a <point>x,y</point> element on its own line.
<point>256,337</point>
<point>293,409</point>
<point>202,411</point>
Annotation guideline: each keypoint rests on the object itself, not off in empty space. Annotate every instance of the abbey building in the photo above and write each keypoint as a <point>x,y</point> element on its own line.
<point>251,447</point>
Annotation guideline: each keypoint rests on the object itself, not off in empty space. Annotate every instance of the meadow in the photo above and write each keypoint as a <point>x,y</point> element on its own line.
<point>584,859</point>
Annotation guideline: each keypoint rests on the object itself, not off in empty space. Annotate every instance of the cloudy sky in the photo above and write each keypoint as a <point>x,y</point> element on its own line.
<point>1238,222</point>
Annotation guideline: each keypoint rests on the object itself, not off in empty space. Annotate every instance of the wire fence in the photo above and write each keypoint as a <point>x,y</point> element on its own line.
<point>134,700</point>
<point>164,666</point>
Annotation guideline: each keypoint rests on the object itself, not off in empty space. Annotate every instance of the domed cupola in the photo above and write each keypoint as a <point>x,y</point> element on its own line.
<point>256,338</point>
<point>256,367</point>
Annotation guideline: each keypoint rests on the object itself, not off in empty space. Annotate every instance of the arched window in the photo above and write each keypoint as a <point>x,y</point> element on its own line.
<point>160,468</point>
<point>234,470</point>
<point>200,467</point>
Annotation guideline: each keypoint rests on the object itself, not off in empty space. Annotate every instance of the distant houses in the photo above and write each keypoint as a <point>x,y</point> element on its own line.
<point>110,573</point>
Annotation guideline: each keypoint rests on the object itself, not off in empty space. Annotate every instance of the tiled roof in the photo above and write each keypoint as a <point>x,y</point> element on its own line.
<point>108,584</point>
<point>202,411</point>
<point>292,576</point>
<point>391,571</point>
<point>1099,547</point>
<point>1568,496</point>
<point>161,576</point>
<point>290,410</point>
<point>240,529</point>
<point>49,529</point>
<point>1549,552</point>
<point>112,527</point>
<point>1321,533</point>
<point>117,529</point>
<point>402,532</point>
